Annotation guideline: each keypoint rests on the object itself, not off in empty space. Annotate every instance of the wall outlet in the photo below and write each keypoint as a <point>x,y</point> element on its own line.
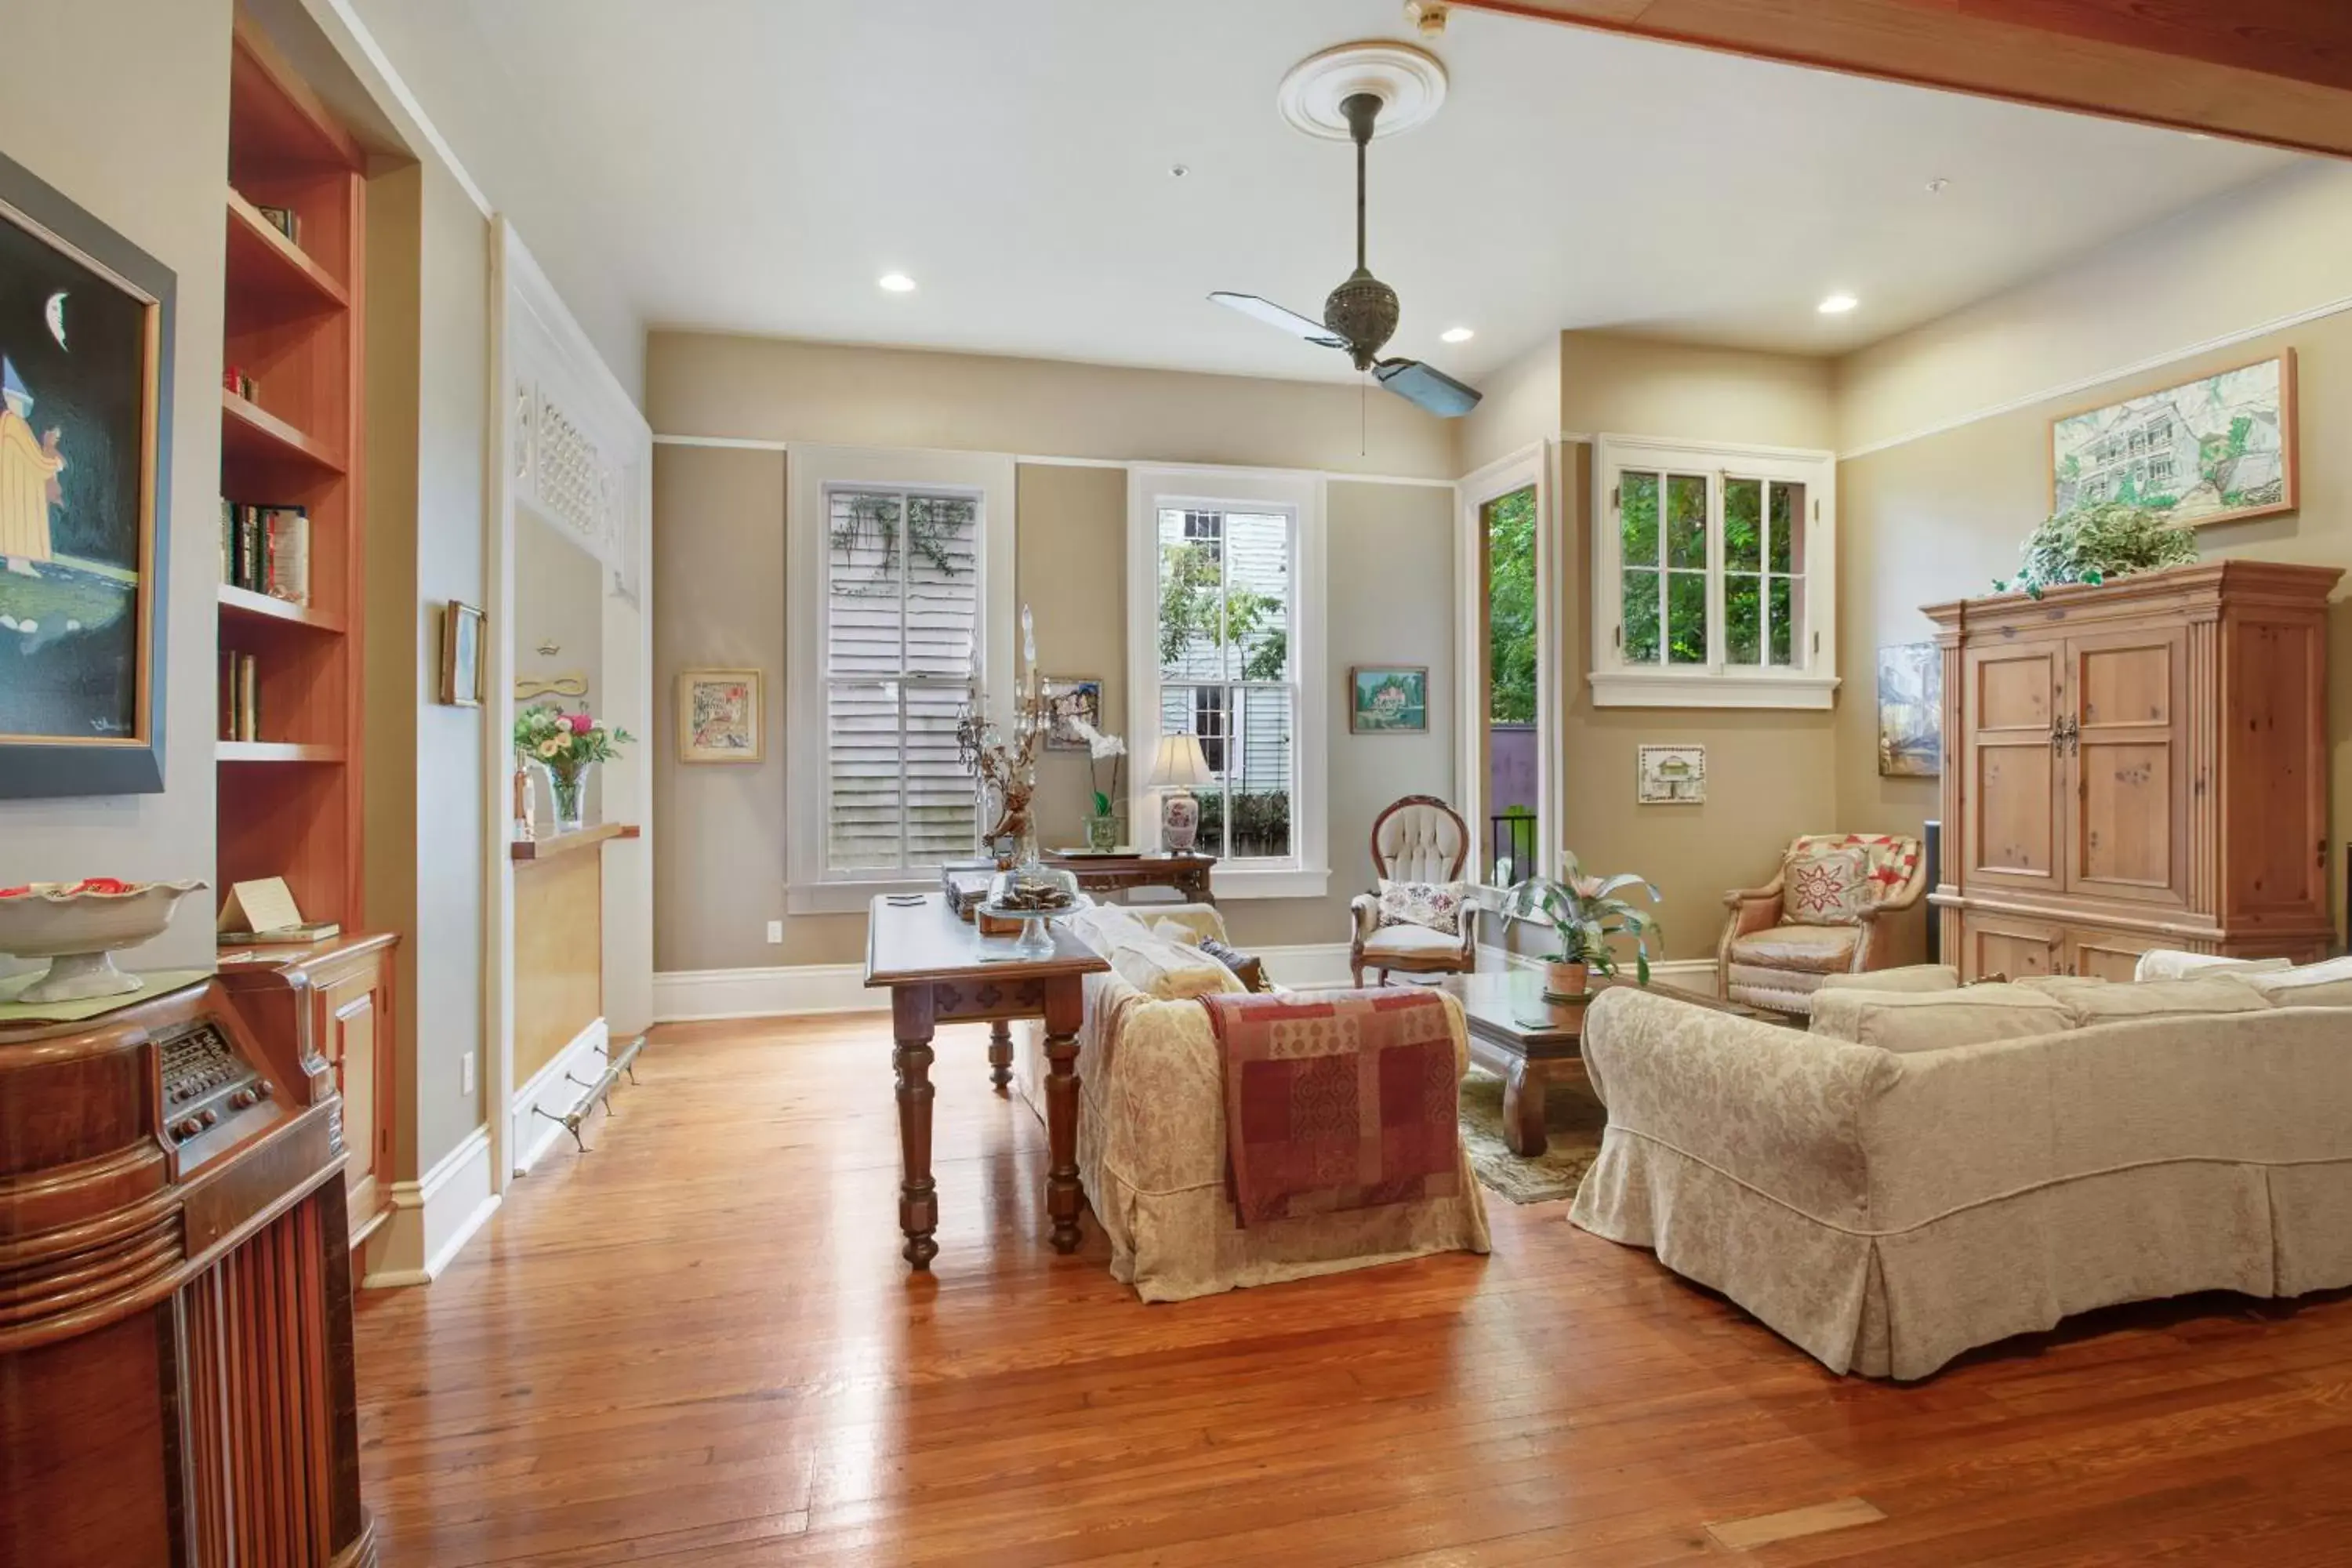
<point>466,1073</point>
<point>776,931</point>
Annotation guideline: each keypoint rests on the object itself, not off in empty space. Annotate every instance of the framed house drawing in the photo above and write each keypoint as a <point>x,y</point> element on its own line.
<point>2214,449</point>
<point>1670,775</point>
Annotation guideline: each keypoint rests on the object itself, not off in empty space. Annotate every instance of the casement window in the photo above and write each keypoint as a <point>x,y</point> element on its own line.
<point>1715,576</point>
<point>898,570</point>
<point>902,612</point>
<point>1224,618</point>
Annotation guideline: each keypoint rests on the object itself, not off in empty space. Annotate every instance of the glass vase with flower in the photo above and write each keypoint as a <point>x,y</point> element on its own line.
<point>566,747</point>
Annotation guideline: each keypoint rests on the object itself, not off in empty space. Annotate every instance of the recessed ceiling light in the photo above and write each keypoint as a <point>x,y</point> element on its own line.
<point>1177,171</point>
<point>897,282</point>
<point>1837,304</point>
<point>1457,334</point>
<point>1936,186</point>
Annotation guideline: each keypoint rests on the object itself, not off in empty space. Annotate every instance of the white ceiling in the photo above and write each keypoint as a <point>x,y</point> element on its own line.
<point>754,165</point>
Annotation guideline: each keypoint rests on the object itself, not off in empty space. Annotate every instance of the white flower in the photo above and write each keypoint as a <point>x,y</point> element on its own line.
<point>1098,745</point>
<point>548,748</point>
<point>564,740</point>
<point>597,725</point>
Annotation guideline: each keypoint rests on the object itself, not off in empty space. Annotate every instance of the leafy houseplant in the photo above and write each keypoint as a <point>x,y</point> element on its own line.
<point>568,745</point>
<point>2095,543</point>
<point>1583,913</point>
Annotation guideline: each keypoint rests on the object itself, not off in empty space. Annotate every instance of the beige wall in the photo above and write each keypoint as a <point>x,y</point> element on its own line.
<point>721,598</point>
<point>701,384</point>
<point>137,138</point>
<point>1771,776</point>
<point>1940,518</point>
<point>428,406</point>
<point>2259,254</point>
<point>1521,408</point>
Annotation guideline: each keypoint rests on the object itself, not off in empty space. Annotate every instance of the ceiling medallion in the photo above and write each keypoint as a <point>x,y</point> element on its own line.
<point>1408,83</point>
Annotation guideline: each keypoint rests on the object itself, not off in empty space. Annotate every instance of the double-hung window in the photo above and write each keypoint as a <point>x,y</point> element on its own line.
<point>902,611</point>
<point>1715,576</point>
<point>1225,646</point>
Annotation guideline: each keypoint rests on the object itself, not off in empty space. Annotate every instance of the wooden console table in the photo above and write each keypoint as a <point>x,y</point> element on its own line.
<point>938,971</point>
<point>1187,874</point>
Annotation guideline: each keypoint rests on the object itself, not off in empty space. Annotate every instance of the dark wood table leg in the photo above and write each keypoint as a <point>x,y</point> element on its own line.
<point>1000,1054</point>
<point>1064,1009</point>
<point>1523,1110</point>
<point>918,1203</point>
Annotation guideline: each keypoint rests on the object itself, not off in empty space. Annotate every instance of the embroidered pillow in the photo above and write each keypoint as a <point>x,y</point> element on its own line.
<point>1825,888</point>
<point>1434,905</point>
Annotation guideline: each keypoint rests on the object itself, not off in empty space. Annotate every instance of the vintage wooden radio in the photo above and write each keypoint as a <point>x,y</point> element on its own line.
<point>175,1291</point>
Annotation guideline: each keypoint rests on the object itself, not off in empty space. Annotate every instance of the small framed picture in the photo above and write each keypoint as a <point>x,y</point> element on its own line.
<point>1388,699</point>
<point>1670,775</point>
<point>719,716</point>
<point>1069,698</point>
<point>461,654</point>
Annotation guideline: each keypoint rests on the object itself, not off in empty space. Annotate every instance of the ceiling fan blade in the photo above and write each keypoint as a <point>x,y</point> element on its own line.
<point>1425,387</point>
<point>1273,315</point>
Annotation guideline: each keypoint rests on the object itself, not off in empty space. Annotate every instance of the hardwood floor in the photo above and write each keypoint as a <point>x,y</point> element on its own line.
<point>698,1345</point>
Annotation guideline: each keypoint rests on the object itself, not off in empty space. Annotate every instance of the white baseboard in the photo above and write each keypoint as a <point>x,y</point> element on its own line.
<point>551,1090</point>
<point>434,1216</point>
<point>682,995</point>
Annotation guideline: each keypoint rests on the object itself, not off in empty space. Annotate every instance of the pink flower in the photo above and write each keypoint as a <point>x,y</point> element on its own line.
<point>581,723</point>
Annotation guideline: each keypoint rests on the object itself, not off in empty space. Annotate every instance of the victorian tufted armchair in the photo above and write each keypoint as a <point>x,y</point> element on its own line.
<point>1417,839</point>
<point>1767,961</point>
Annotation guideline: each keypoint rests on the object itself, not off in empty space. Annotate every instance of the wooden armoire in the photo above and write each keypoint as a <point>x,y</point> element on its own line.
<point>2137,765</point>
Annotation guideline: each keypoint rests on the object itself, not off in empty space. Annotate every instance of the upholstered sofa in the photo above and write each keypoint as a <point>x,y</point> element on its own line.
<point>1969,1164</point>
<point>1151,1136</point>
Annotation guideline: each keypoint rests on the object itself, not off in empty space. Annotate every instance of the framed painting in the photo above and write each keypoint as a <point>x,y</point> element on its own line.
<point>461,654</point>
<point>1388,699</point>
<point>2214,449</point>
<point>1069,698</point>
<point>1670,775</point>
<point>719,716</point>
<point>85,441</point>
<point>1911,711</point>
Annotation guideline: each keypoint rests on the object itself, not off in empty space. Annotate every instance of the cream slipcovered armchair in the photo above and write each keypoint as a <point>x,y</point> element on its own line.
<point>1417,839</point>
<point>1766,959</point>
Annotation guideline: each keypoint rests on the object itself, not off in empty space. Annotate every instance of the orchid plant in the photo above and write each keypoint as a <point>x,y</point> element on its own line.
<point>1583,912</point>
<point>1101,748</point>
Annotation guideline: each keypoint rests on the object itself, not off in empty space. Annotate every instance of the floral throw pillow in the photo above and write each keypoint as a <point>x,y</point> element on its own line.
<point>1826,888</point>
<point>1436,905</point>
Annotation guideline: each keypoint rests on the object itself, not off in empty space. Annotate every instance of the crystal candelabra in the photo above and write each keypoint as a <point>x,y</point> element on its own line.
<point>1005,770</point>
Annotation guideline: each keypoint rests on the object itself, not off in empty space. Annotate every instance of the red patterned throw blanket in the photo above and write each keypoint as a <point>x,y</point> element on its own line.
<point>1339,1102</point>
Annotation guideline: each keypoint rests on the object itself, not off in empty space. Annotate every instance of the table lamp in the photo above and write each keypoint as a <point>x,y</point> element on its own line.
<point>1178,768</point>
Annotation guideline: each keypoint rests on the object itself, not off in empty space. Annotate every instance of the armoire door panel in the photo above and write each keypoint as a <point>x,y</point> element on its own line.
<point>2127,830</point>
<point>2011,766</point>
<point>1999,945</point>
<point>2276,751</point>
<point>2105,954</point>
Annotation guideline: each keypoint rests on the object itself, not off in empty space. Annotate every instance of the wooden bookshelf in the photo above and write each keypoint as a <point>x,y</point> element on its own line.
<point>289,799</point>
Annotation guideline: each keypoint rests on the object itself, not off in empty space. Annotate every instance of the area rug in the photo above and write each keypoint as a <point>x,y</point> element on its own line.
<point>1573,1118</point>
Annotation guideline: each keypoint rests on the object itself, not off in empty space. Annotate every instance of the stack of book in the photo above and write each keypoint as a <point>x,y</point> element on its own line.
<point>267,549</point>
<point>240,688</point>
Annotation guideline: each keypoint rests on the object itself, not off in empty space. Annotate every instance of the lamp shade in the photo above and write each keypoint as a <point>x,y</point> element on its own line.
<point>1179,764</point>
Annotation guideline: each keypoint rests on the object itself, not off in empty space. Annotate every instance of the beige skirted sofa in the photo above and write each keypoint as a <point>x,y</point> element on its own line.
<point>1152,1138</point>
<point>1969,1164</point>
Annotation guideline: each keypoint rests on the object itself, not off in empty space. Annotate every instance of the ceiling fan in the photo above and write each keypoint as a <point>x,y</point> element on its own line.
<point>1360,315</point>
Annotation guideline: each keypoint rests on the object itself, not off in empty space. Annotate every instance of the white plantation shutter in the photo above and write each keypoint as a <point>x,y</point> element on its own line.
<point>902,609</point>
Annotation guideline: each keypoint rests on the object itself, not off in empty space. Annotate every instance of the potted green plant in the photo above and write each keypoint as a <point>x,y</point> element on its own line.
<point>2096,544</point>
<point>1583,913</point>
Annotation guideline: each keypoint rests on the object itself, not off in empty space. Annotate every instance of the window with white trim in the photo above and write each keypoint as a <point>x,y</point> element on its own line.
<point>902,610</point>
<point>1714,582</point>
<point>1225,645</point>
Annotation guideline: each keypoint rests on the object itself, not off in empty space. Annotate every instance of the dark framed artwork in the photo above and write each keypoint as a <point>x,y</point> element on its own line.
<point>1388,699</point>
<point>461,654</point>
<point>1069,697</point>
<point>85,489</point>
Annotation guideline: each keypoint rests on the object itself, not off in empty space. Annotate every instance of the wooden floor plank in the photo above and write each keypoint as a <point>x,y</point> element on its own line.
<point>697,1345</point>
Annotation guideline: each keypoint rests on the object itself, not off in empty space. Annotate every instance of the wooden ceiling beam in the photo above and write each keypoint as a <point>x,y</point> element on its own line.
<point>2277,72</point>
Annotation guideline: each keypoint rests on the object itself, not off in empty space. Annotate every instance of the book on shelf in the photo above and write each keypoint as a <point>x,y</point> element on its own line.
<point>240,687</point>
<point>285,220</point>
<point>263,913</point>
<point>233,379</point>
<point>289,936</point>
<point>267,549</point>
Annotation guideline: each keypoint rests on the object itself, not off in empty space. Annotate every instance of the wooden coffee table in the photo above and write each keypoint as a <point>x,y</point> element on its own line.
<point>1527,1041</point>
